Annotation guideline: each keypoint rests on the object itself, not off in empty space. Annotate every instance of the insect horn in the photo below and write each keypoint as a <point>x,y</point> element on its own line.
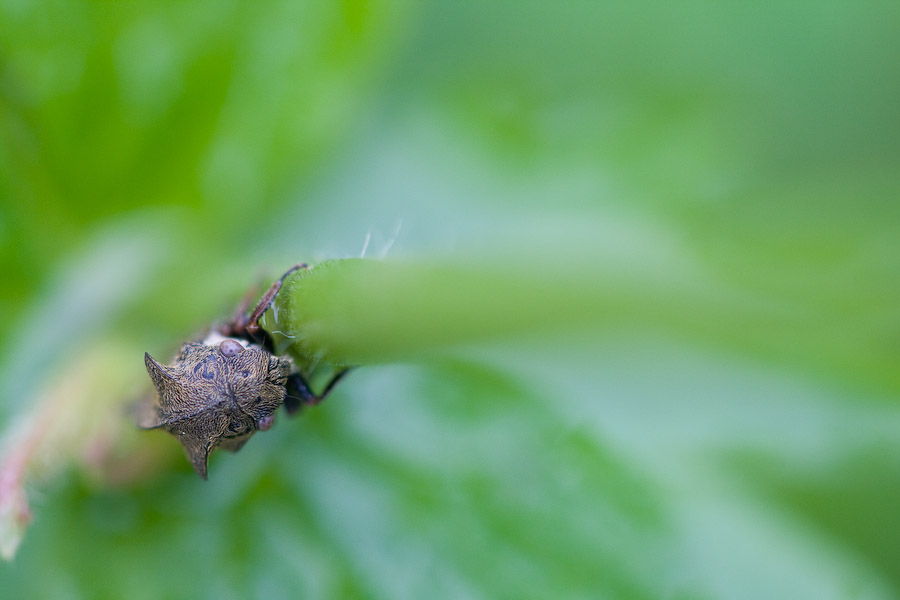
<point>158,373</point>
<point>198,454</point>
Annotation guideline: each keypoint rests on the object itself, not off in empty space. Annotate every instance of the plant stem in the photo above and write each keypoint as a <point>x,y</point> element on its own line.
<point>356,311</point>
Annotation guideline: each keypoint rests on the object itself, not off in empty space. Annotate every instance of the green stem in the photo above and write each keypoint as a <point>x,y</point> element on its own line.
<point>356,311</point>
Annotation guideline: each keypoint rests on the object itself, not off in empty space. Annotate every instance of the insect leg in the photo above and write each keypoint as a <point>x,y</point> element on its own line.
<point>268,298</point>
<point>247,326</point>
<point>300,394</point>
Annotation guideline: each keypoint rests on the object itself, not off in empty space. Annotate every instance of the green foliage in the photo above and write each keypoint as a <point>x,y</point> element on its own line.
<point>634,334</point>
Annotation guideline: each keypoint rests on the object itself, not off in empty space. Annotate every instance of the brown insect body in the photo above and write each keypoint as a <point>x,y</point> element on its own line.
<point>214,396</point>
<point>220,391</point>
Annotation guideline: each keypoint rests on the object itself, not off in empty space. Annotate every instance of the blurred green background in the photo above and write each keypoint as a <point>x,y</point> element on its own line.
<point>735,435</point>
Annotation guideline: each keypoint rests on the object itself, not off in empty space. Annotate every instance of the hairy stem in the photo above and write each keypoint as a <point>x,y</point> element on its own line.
<point>356,311</point>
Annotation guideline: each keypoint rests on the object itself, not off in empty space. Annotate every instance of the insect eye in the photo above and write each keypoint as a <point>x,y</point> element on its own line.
<point>230,348</point>
<point>237,427</point>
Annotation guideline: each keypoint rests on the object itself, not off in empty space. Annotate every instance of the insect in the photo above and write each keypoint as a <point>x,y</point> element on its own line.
<point>219,391</point>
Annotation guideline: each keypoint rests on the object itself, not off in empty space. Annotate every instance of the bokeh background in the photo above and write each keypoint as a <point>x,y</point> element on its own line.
<point>157,159</point>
